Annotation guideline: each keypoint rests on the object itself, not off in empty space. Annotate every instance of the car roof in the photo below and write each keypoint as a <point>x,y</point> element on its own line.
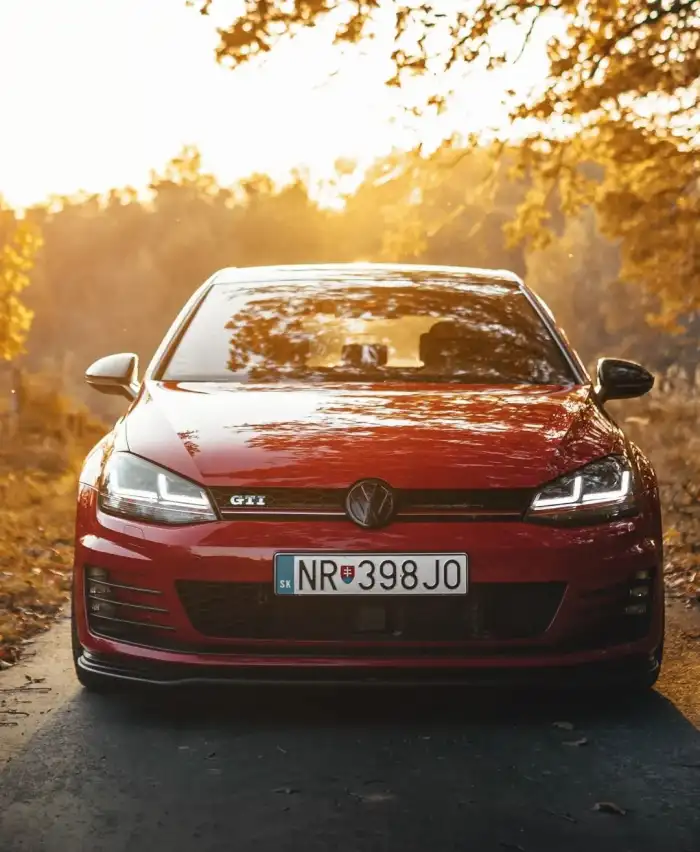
<point>289,272</point>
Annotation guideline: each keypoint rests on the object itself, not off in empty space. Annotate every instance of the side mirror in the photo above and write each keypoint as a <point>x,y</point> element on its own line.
<point>116,375</point>
<point>618,379</point>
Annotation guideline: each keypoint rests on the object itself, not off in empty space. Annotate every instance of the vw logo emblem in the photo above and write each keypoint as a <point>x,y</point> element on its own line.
<point>370,503</point>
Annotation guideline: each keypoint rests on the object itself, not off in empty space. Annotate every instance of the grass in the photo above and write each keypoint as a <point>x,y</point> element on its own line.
<point>39,465</point>
<point>35,563</point>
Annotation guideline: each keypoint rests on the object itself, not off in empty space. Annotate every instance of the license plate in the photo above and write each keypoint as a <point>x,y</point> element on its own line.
<point>371,573</point>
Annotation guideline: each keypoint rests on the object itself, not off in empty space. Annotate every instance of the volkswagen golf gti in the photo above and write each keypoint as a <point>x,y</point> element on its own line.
<point>367,474</point>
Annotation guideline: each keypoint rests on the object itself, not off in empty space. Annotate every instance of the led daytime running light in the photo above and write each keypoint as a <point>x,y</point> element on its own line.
<point>163,493</point>
<point>134,493</point>
<point>182,499</point>
<point>610,496</point>
<point>579,489</point>
<point>136,488</point>
<point>560,502</point>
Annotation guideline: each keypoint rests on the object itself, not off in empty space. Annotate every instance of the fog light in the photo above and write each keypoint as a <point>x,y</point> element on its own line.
<point>642,575</point>
<point>639,592</point>
<point>635,609</point>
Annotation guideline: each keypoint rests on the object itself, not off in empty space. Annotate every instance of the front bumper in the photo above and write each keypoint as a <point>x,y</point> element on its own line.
<point>167,645</point>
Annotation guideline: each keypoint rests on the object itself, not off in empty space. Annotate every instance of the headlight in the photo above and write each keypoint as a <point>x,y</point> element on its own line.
<point>600,491</point>
<point>134,488</point>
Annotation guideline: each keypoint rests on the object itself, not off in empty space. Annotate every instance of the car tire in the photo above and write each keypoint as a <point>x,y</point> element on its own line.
<point>649,681</point>
<point>642,683</point>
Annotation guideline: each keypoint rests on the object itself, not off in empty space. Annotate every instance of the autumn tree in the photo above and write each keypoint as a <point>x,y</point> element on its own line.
<point>578,276</point>
<point>622,91</point>
<point>16,259</point>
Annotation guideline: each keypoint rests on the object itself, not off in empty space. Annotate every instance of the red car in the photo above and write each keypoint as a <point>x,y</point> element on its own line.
<point>367,474</point>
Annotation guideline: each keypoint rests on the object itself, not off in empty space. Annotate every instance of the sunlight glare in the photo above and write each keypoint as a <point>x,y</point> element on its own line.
<point>99,93</point>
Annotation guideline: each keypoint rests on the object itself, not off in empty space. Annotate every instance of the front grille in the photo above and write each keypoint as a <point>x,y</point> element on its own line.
<point>502,503</point>
<point>496,611</point>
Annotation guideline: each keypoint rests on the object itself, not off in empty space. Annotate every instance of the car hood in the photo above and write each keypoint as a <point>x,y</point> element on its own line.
<point>411,436</point>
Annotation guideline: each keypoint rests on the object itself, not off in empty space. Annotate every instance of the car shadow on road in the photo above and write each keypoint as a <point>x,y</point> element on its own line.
<point>522,738</point>
<point>260,708</point>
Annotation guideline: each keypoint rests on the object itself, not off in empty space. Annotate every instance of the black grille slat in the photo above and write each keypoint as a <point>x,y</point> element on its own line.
<point>409,502</point>
<point>497,611</point>
<point>469,500</point>
<point>125,612</point>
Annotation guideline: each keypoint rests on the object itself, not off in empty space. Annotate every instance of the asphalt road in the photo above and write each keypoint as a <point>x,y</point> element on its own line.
<point>296,772</point>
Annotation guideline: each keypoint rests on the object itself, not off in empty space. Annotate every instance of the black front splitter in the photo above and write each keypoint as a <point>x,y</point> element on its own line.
<point>587,675</point>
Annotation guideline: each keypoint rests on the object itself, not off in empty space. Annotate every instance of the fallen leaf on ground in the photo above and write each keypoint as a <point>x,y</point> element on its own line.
<point>580,742</point>
<point>609,808</point>
<point>564,726</point>
<point>373,798</point>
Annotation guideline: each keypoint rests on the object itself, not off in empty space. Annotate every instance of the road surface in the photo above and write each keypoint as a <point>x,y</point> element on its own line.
<point>293,772</point>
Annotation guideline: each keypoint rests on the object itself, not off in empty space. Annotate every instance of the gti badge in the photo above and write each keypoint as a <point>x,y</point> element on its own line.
<point>247,500</point>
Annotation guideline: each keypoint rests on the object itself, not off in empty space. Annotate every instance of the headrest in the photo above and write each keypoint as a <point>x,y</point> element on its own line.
<point>449,330</point>
<point>364,355</point>
<point>445,339</point>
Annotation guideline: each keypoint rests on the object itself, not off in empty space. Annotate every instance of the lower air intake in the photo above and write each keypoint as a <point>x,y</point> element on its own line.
<point>497,611</point>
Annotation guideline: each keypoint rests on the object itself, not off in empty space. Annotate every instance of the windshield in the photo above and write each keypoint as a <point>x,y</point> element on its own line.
<point>441,330</point>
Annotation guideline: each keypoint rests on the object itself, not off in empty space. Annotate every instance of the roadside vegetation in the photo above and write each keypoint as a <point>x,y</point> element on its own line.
<point>40,454</point>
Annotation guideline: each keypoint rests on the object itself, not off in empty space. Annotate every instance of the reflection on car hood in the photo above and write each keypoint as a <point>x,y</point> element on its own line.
<point>411,436</point>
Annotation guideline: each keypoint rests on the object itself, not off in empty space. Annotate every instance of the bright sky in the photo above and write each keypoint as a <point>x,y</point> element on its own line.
<point>95,93</point>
